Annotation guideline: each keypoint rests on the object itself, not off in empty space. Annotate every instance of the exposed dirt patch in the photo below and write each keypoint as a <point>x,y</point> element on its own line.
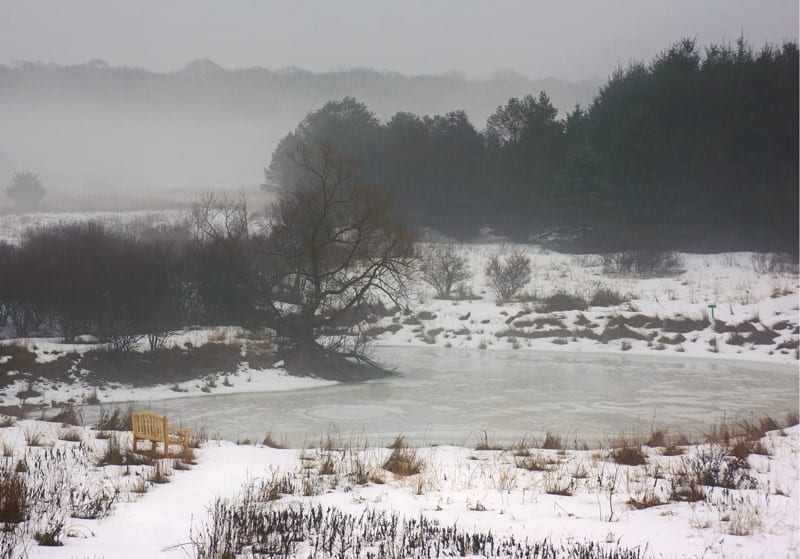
<point>635,321</point>
<point>682,325</point>
<point>741,328</point>
<point>378,330</point>
<point>539,322</point>
<point>535,334</point>
<point>562,302</point>
<point>782,325</point>
<point>761,337</point>
<point>788,344</point>
<point>165,365</point>
<point>674,340</point>
<point>619,331</point>
<point>23,361</point>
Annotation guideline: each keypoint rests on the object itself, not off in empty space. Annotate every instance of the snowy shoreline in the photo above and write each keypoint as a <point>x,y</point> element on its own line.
<point>756,322</point>
<point>565,496</point>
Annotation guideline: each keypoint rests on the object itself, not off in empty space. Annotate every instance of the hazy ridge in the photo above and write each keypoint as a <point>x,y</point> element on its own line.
<point>203,125</point>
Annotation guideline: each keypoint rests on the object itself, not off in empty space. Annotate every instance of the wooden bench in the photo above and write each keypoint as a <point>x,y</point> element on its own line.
<point>148,425</point>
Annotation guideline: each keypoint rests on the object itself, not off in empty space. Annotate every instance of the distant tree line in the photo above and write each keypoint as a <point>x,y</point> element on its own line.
<point>696,150</point>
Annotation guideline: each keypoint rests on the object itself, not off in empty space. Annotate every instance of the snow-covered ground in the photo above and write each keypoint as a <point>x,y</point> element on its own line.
<point>510,492</point>
<point>730,281</point>
<point>756,314</point>
<point>562,495</point>
<point>14,226</point>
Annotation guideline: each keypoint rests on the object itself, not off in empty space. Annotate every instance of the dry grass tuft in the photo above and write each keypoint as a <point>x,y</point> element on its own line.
<point>399,442</point>
<point>649,499</point>
<point>553,442</point>
<point>658,438</point>
<point>538,462</point>
<point>404,461</point>
<point>272,441</point>
<point>113,455</point>
<point>554,484</point>
<point>71,435</point>
<point>629,456</point>
<point>71,415</point>
<point>33,437</point>
<point>521,448</point>
<point>115,419</point>
<point>484,443</point>
<point>162,472</point>
<point>13,498</point>
<point>326,468</point>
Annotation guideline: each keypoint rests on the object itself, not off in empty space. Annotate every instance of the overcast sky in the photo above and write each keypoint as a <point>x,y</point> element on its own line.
<point>567,39</point>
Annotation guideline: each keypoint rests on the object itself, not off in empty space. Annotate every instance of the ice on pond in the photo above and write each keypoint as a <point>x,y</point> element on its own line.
<point>450,396</point>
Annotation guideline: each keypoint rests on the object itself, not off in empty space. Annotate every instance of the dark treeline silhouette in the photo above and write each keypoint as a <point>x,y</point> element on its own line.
<point>87,279</point>
<point>697,150</point>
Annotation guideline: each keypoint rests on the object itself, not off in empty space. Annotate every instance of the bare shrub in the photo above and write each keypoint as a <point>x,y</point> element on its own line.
<point>443,267</point>
<point>715,467</point>
<point>508,275</point>
<point>774,263</point>
<point>642,263</point>
<point>604,296</point>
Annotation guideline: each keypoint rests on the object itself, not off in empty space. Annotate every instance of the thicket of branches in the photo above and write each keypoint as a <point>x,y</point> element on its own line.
<point>85,279</point>
<point>697,150</point>
<point>330,258</point>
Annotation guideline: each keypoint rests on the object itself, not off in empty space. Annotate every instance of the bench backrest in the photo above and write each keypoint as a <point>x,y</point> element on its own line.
<point>149,423</point>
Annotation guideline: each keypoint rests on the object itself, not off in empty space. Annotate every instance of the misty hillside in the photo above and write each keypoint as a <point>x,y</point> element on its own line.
<point>203,125</point>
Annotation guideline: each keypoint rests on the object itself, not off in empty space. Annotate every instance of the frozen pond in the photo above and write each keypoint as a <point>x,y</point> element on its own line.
<point>450,396</point>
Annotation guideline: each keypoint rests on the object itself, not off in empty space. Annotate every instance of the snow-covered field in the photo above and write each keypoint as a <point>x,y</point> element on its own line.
<point>566,496</point>
<point>742,296</point>
<point>702,502</point>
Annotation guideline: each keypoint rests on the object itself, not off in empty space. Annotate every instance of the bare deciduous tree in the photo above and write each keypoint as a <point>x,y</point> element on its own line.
<point>331,251</point>
<point>220,218</point>
<point>509,274</point>
<point>443,267</point>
